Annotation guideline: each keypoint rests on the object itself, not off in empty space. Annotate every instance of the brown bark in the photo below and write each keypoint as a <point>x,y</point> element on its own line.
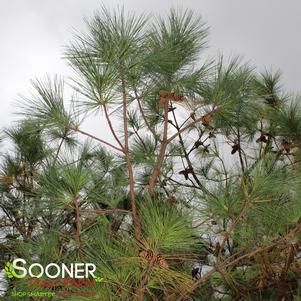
<point>144,280</point>
<point>157,169</point>
<point>111,127</point>
<point>77,225</point>
<point>136,218</point>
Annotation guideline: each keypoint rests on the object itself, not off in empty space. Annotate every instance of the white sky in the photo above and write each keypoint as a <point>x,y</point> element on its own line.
<point>33,32</point>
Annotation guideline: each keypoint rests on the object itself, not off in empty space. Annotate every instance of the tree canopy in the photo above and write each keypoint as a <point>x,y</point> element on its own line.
<point>197,194</point>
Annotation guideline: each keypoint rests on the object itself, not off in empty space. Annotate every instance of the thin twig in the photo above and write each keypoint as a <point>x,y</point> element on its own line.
<point>93,137</point>
<point>157,137</point>
<point>111,126</point>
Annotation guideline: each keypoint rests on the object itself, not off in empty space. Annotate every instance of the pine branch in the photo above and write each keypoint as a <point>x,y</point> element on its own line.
<point>76,129</point>
<point>157,137</point>
<point>136,218</point>
<point>163,145</point>
<point>112,128</point>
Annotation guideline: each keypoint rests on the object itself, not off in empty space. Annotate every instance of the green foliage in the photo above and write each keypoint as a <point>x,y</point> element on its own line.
<point>288,120</point>
<point>202,173</point>
<point>166,228</point>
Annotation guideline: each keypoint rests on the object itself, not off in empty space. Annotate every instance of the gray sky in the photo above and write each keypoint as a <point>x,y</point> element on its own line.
<point>32,33</point>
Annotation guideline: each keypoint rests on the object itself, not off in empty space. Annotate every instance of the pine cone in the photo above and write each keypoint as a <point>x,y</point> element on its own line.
<point>178,97</point>
<point>235,148</point>
<point>163,101</point>
<point>262,138</point>
<point>163,93</point>
<point>185,172</point>
<point>206,119</point>
<point>161,262</point>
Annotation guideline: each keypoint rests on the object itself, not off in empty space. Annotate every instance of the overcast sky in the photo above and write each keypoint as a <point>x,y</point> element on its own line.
<point>33,32</point>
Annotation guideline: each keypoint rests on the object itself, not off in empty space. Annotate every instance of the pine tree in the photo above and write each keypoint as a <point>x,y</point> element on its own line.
<point>198,195</point>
